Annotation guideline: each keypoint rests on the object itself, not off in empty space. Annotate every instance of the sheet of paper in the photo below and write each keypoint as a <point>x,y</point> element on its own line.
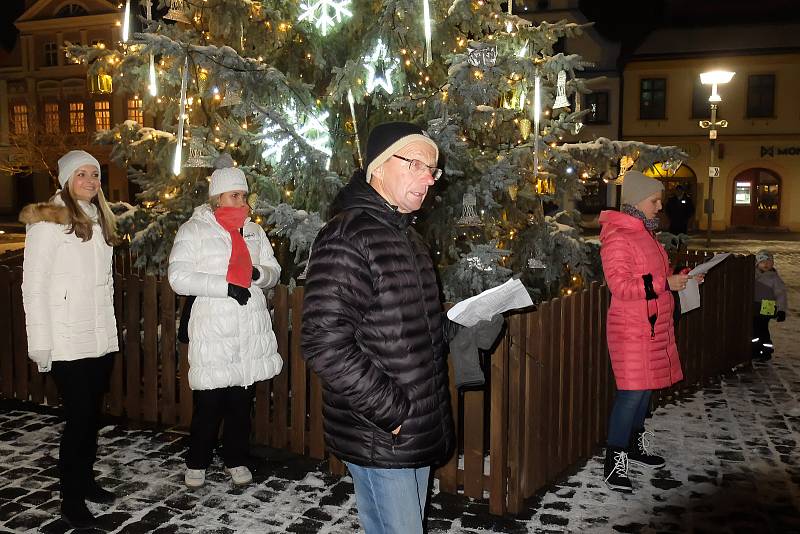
<point>690,295</point>
<point>484,306</point>
<point>707,266</point>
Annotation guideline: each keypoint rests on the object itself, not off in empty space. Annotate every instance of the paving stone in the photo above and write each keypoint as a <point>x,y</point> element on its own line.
<point>733,466</point>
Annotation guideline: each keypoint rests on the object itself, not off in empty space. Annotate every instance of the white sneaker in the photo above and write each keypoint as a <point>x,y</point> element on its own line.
<point>241,475</point>
<point>194,478</point>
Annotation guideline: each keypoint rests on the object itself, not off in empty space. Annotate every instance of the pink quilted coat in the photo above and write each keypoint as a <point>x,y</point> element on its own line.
<point>639,360</point>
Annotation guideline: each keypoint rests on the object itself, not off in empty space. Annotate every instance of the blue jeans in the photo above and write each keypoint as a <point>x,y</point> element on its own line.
<point>390,501</point>
<point>630,408</point>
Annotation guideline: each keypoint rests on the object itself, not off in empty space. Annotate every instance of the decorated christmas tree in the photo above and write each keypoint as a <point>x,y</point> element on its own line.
<point>290,90</point>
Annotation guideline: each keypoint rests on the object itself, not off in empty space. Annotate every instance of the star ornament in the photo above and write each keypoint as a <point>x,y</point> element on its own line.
<point>380,66</point>
<point>325,14</point>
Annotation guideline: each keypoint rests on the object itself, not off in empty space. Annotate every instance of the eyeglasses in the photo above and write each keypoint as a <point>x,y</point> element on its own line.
<point>418,168</point>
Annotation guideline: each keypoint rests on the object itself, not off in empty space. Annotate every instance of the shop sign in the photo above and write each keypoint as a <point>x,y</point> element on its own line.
<point>773,151</point>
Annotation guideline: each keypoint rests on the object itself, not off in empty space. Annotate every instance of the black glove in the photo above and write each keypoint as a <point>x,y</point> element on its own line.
<point>239,294</point>
<point>186,312</point>
<point>780,316</point>
<point>464,350</point>
<point>256,274</point>
<point>649,292</point>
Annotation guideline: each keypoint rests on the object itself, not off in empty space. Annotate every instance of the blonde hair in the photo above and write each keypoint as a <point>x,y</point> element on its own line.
<point>213,201</point>
<point>80,223</point>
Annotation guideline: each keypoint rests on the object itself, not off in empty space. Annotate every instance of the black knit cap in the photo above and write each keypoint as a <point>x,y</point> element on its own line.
<point>387,138</point>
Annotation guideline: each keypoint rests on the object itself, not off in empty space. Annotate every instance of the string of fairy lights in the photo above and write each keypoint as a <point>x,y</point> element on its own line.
<point>381,77</point>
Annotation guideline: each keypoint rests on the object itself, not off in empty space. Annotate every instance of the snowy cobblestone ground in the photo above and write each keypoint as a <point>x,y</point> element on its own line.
<point>731,449</point>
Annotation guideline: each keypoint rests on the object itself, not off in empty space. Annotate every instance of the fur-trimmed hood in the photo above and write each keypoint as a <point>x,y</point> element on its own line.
<point>45,212</point>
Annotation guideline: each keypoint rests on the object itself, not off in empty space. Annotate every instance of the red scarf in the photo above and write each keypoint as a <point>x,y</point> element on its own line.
<point>240,266</point>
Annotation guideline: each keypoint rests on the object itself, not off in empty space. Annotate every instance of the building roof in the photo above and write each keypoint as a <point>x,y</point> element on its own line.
<point>720,40</point>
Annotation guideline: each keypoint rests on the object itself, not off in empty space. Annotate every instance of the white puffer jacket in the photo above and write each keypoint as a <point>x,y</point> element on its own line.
<point>67,287</point>
<point>229,344</point>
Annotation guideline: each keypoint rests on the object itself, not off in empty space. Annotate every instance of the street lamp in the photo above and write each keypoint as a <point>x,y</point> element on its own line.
<point>713,78</point>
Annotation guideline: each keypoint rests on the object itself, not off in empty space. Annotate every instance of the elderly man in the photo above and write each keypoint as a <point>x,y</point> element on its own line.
<point>372,331</point>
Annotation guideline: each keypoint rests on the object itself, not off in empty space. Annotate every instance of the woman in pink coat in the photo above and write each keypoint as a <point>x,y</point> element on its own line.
<point>641,339</point>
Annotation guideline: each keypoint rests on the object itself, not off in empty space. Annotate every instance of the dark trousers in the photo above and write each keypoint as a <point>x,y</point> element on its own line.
<point>211,407</point>
<point>81,385</point>
<point>762,341</point>
<point>627,415</point>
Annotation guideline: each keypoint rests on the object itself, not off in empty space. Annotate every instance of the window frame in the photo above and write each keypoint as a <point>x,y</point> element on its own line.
<point>50,54</point>
<point>759,110</point>
<point>649,113</point>
<point>700,95</point>
<point>20,121</point>
<point>135,112</point>
<point>102,115</point>
<point>73,117</point>
<point>49,113</point>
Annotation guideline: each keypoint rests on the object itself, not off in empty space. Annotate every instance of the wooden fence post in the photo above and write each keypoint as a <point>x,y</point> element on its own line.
<point>498,429</point>
<point>6,334</point>
<point>517,337</point>
<point>299,383</point>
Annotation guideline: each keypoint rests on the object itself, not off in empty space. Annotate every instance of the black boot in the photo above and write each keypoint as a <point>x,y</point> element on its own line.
<point>96,494</point>
<point>615,472</point>
<point>639,451</point>
<point>76,514</point>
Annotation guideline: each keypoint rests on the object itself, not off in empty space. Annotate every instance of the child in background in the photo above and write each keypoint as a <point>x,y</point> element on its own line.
<point>770,302</point>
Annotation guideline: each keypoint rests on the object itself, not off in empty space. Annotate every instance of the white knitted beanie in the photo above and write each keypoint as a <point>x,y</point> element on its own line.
<point>226,177</point>
<point>637,187</point>
<point>71,161</point>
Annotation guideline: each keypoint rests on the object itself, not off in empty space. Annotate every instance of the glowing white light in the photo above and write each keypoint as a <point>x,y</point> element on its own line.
<point>153,87</point>
<point>126,22</point>
<point>380,66</point>
<point>325,14</point>
<point>426,14</point>
<point>311,127</point>
<point>177,162</point>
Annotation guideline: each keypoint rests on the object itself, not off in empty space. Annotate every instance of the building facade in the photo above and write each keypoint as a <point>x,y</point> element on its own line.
<point>46,107</point>
<point>758,153</point>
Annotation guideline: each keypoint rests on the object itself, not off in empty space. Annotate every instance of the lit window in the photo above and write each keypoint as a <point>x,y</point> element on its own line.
<point>135,112</point>
<point>50,54</point>
<point>102,115</point>
<point>52,120</point>
<point>19,118</point>
<point>77,123</point>
<point>742,193</point>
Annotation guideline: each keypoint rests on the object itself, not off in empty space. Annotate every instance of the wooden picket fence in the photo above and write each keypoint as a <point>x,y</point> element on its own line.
<point>543,409</point>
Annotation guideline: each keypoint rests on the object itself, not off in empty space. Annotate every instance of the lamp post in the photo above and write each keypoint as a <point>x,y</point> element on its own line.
<point>713,78</point>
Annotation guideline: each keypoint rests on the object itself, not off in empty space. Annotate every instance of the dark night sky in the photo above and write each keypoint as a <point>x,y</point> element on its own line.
<point>626,21</point>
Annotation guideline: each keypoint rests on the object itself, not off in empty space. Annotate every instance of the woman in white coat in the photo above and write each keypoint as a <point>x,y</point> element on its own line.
<point>225,260</point>
<point>67,292</point>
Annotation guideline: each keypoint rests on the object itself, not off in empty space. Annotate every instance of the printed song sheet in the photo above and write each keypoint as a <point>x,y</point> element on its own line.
<point>484,306</point>
<point>690,295</point>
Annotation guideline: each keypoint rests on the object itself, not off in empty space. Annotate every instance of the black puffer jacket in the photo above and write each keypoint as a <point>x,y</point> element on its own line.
<point>372,331</point>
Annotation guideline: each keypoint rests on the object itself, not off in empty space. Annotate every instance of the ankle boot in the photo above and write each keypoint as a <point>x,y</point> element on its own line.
<point>96,494</point>
<point>76,514</point>
<point>639,452</point>
<point>615,471</point>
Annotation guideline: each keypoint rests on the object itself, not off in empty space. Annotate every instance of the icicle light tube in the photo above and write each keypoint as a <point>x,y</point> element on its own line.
<point>177,162</point>
<point>426,12</point>
<point>351,101</point>
<point>537,111</point>
<point>153,87</point>
<point>126,22</point>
